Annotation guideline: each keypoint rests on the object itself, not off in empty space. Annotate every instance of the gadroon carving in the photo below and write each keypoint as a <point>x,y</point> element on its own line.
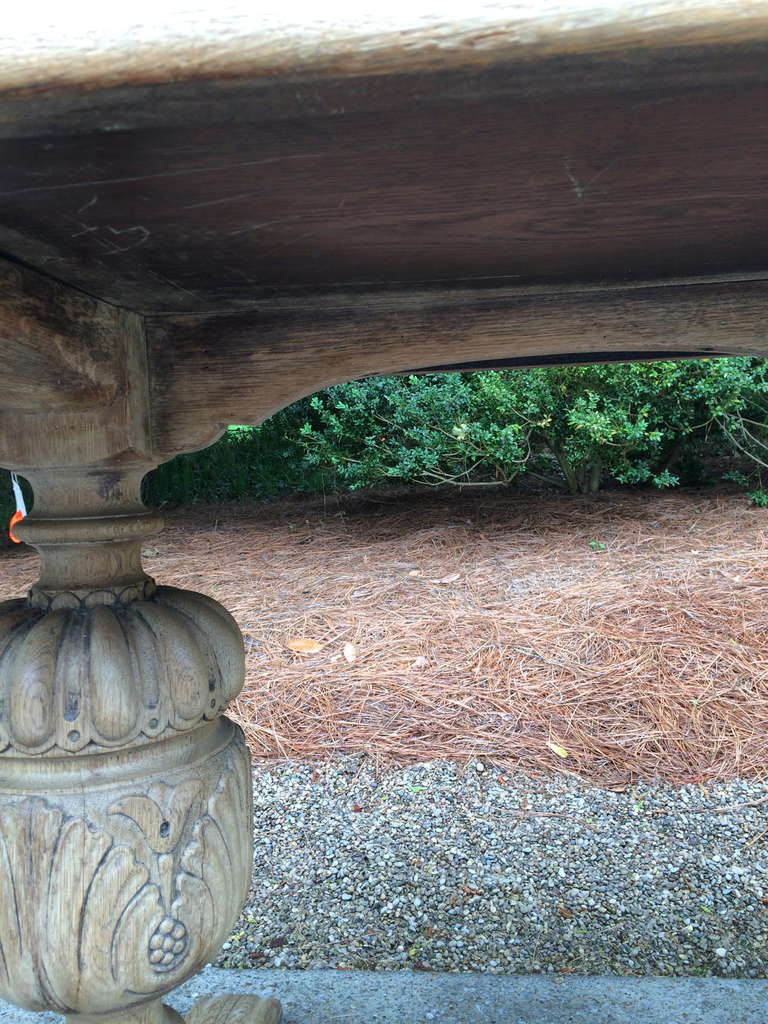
<point>103,676</point>
<point>104,911</point>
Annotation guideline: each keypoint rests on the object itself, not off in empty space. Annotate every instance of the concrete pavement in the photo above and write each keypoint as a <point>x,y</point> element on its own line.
<point>410,997</point>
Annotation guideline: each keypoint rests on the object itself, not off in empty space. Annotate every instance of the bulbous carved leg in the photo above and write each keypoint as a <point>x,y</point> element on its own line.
<point>125,797</point>
<point>115,892</point>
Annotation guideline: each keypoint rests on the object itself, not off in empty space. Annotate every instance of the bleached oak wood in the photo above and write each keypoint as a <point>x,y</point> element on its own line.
<point>206,215</point>
<point>208,372</point>
<point>125,796</point>
<point>200,161</point>
<point>73,387</point>
<point>79,669</point>
<point>125,878</point>
<point>164,41</point>
<point>125,799</point>
<point>235,1010</point>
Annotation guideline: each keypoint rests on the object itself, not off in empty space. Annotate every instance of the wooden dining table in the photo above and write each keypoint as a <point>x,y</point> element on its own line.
<point>208,213</point>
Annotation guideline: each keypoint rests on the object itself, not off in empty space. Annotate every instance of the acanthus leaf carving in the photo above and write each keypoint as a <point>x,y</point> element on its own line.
<point>64,880</point>
<point>220,848</point>
<point>162,814</point>
<point>144,887</point>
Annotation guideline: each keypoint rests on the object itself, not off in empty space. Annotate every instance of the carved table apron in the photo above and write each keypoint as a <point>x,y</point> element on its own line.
<point>207,217</point>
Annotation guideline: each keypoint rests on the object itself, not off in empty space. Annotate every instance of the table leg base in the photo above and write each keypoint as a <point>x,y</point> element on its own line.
<point>151,1013</point>
<point>235,1010</point>
<point>126,828</point>
<point>230,1009</point>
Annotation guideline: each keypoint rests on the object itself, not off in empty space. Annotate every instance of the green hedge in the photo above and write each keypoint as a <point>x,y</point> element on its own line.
<point>575,427</point>
<point>248,462</point>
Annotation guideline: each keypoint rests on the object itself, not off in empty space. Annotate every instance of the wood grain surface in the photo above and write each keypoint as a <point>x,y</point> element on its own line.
<point>209,165</point>
<point>205,216</point>
<point>163,41</point>
<point>73,383</point>
<point>208,372</point>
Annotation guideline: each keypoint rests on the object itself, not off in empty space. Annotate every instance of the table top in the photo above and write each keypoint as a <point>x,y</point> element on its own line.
<point>177,160</point>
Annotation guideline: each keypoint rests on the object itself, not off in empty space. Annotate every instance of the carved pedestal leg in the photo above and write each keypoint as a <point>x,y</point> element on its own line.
<point>151,1013</point>
<point>208,1010</point>
<point>125,796</point>
<point>235,1010</point>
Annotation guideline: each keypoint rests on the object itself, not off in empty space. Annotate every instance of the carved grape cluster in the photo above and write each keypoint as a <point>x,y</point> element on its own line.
<point>168,944</point>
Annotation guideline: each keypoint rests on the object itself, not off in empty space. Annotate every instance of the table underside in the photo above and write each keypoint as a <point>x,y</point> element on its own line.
<point>199,227</point>
<point>280,219</point>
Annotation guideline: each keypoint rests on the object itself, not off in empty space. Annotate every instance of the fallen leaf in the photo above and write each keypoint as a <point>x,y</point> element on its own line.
<point>565,912</point>
<point>557,749</point>
<point>350,653</point>
<point>448,579</point>
<point>357,808</point>
<point>472,891</point>
<point>304,645</point>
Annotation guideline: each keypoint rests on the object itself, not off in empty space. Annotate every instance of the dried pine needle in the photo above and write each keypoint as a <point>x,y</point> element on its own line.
<point>631,627</point>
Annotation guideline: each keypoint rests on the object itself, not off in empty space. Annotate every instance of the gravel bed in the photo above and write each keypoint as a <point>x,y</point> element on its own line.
<point>446,868</point>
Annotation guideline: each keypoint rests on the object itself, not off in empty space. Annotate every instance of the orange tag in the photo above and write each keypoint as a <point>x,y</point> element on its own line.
<point>17,516</point>
<point>21,508</point>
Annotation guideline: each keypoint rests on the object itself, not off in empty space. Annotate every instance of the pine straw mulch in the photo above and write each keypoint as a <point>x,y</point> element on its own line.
<point>628,629</point>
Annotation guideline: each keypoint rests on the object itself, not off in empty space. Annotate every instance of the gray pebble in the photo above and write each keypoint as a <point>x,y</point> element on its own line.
<point>440,868</point>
